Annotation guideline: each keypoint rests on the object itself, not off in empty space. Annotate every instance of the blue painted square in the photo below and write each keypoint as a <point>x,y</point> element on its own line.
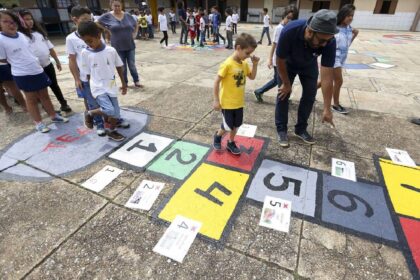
<point>357,66</point>
<point>358,206</point>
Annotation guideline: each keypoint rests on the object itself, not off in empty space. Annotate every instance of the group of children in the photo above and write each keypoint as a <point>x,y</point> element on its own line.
<point>93,63</point>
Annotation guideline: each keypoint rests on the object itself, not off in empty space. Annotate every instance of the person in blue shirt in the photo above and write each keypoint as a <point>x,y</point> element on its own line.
<point>182,15</point>
<point>300,44</point>
<point>216,24</point>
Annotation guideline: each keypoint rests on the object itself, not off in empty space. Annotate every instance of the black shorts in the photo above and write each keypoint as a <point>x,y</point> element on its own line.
<point>232,118</point>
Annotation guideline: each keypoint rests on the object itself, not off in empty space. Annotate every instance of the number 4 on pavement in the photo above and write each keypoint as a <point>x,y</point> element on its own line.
<point>276,213</point>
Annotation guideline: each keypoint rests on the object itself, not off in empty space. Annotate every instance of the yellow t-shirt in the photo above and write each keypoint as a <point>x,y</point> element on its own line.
<point>232,89</point>
<point>142,21</point>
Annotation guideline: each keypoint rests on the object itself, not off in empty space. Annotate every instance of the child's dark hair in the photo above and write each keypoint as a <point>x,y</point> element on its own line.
<point>78,11</point>
<point>290,9</point>
<point>265,10</point>
<point>245,41</point>
<point>229,11</point>
<point>161,9</point>
<point>11,14</point>
<point>216,8</point>
<point>36,27</point>
<point>344,12</point>
<point>89,28</point>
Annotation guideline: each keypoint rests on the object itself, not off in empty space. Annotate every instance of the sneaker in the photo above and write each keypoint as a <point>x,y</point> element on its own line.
<point>306,137</point>
<point>123,124</point>
<point>115,135</point>
<point>269,44</point>
<point>258,96</point>
<point>259,42</point>
<point>339,109</point>
<point>59,119</point>
<point>416,121</point>
<point>66,108</point>
<point>283,139</point>
<point>88,121</point>
<point>42,128</point>
<point>217,142</point>
<point>231,147</point>
<point>100,130</point>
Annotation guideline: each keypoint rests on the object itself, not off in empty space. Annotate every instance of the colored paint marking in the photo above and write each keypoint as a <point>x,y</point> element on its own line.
<point>141,149</point>
<point>411,230</point>
<point>209,196</point>
<point>403,186</point>
<point>287,182</point>
<point>357,206</point>
<point>179,160</point>
<point>250,147</point>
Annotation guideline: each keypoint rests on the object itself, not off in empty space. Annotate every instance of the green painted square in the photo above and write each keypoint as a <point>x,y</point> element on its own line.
<point>179,160</point>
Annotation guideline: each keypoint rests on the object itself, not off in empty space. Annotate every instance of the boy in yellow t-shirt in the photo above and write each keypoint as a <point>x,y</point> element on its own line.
<point>231,78</point>
<point>142,21</point>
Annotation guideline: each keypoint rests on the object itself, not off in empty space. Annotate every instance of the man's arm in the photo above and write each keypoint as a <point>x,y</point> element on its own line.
<point>327,77</point>
<point>75,70</point>
<point>286,87</point>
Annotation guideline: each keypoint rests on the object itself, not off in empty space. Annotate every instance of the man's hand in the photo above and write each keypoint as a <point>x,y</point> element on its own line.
<point>216,105</point>
<point>284,91</point>
<point>328,117</point>
<point>270,63</point>
<point>255,59</point>
<point>124,90</point>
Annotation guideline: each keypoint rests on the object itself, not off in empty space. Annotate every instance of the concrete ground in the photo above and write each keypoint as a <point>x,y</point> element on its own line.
<point>59,230</point>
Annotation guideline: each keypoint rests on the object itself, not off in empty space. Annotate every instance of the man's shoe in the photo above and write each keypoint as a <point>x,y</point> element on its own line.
<point>306,137</point>
<point>88,120</point>
<point>115,135</point>
<point>66,108</point>
<point>283,139</point>
<point>258,96</point>
<point>416,121</point>
<point>217,142</point>
<point>231,147</point>
<point>339,109</point>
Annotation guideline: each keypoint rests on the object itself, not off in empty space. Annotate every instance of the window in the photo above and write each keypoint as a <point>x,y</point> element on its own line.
<point>385,7</point>
<point>344,2</point>
<point>318,5</point>
<point>63,3</point>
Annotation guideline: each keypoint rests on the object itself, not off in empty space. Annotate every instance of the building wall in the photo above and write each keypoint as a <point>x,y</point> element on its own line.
<point>365,18</point>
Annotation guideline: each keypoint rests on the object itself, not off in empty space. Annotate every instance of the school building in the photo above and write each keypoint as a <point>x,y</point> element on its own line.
<point>401,15</point>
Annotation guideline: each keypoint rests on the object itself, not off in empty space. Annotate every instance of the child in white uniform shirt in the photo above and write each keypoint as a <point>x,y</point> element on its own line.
<point>163,25</point>
<point>42,48</point>
<point>266,27</point>
<point>202,28</point>
<point>26,70</point>
<point>149,19</point>
<point>99,62</point>
<point>172,21</point>
<point>235,19</point>
<point>229,33</point>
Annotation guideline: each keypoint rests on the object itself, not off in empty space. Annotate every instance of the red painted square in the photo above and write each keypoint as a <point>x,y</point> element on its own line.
<point>411,230</point>
<point>250,147</point>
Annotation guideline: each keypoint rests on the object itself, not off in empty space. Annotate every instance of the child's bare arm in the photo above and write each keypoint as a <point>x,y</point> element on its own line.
<point>75,70</point>
<point>57,61</point>
<point>216,100</point>
<point>253,74</point>
<point>123,83</point>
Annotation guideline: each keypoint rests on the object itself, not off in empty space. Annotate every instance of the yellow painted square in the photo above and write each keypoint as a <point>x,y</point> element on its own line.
<point>406,201</point>
<point>188,203</point>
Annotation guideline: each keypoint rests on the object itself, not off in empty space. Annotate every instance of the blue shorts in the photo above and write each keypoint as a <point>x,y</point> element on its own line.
<point>32,82</point>
<point>5,73</point>
<point>340,58</point>
<point>232,118</point>
<point>109,105</point>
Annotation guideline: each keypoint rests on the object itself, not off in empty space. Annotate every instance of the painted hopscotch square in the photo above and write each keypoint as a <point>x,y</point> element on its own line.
<point>411,230</point>
<point>142,149</point>
<point>403,186</point>
<point>250,148</point>
<point>179,160</point>
<point>358,206</point>
<point>287,182</point>
<point>210,196</point>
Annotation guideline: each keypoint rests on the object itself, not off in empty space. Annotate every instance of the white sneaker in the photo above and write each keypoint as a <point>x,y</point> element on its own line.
<point>42,128</point>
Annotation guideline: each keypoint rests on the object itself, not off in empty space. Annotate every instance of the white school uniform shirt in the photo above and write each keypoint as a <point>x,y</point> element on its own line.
<point>75,45</point>
<point>171,16</point>
<point>229,23</point>
<point>149,19</point>
<point>235,18</point>
<point>266,21</point>
<point>41,46</point>
<point>276,36</point>
<point>202,24</point>
<point>210,17</point>
<point>17,52</point>
<point>100,65</point>
<point>163,23</point>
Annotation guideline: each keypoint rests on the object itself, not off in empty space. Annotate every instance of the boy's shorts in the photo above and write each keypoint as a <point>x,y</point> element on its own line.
<point>109,105</point>
<point>232,118</point>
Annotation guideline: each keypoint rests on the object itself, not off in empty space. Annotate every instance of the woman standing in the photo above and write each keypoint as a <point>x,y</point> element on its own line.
<point>123,29</point>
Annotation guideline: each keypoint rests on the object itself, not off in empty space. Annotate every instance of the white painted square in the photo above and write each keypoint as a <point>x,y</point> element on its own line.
<point>247,130</point>
<point>101,179</point>
<point>142,149</point>
<point>379,65</point>
<point>145,195</point>
<point>178,238</point>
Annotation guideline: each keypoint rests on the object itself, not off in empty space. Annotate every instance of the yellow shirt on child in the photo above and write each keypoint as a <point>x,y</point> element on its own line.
<point>232,89</point>
<point>142,21</point>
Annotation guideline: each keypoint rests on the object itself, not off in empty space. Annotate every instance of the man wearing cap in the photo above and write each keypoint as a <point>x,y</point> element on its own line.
<point>300,44</point>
